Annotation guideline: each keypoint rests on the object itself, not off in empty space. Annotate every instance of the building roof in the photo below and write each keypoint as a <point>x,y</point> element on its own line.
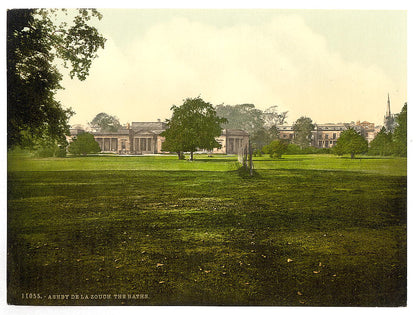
<point>109,133</point>
<point>234,132</point>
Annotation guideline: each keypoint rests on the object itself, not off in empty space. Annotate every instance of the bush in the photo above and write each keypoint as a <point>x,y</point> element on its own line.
<point>84,144</point>
<point>50,151</point>
<point>258,153</point>
<point>275,149</point>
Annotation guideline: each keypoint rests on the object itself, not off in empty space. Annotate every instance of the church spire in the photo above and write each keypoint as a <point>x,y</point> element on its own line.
<point>388,112</point>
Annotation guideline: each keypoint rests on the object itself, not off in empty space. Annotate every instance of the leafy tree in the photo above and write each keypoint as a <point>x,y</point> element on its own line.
<point>400,132</point>
<point>382,144</point>
<point>106,122</point>
<point>193,125</point>
<point>303,128</point>
<point>276,148</point>
<point>272,117</point>
<point>84,144</point>
<point>261,125</point>
<point>244,116</point>
<point>350,142</point>
<point>36,41</point>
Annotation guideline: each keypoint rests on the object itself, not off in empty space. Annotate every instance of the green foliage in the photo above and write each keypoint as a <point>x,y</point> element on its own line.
<point>303,128</point>
<point>261,125</point>
<point>84,144</point>
<point>275,149</point>
<point>35,43</point>
<point>243,116</point>
<point>257,153</point>
<point>295,149</point>
<point>400,132</point>
<point>106,122</point>
<point>52,150</point>
<point>382,144</point>
<point>350,142</point>
<point>193,125</point>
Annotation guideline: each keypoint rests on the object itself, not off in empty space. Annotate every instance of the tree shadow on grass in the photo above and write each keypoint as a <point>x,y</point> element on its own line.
<point>367,157</point>
<point>284,159</point>
<point>214,160</point>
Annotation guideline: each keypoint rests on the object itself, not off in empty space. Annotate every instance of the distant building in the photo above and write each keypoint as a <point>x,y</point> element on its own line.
<point>326,135</point>
<point>144,138</point>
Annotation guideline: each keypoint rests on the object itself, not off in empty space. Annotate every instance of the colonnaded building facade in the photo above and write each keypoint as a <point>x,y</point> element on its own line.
<point>144,138</point>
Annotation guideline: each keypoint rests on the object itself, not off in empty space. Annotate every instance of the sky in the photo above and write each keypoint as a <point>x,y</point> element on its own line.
<point>329,65</point>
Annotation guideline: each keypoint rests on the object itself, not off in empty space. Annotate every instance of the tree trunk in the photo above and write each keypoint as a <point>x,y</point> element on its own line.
<point>179,154</point>
<point>192,156</point>
<point>352,155</point>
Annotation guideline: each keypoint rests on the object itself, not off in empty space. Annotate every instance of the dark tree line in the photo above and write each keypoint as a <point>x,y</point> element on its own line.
<point>392,143</point>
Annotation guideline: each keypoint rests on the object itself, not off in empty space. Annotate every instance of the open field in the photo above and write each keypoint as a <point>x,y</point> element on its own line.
<point>307,230</point>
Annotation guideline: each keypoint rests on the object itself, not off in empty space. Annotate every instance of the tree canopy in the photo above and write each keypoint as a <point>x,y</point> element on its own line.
<point>243,116</point>
<point>382,144</point>
<point>106,122</point>
<point>303,128</point>
<point>400,132</point>
<point>84,144</point>
<point>276,148</point>
<point>350,142</point>
<point>261,125</point>
<point>193,125</point>
<point>36,42</point>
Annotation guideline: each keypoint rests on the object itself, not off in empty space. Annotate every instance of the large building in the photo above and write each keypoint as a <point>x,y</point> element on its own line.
<point>145,138</point>
<point>326,135</point>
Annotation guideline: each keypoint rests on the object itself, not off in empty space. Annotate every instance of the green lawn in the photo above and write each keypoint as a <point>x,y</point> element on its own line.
<point>306,230</point>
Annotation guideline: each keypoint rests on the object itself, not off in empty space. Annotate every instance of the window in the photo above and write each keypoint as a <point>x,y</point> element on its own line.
<point>334,136</point>
<point>326,136</point>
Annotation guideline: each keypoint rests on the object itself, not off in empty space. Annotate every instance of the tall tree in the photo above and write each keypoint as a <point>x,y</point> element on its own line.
<point>350,142</point>
<point>243,116</point>
<point>36,41</point>
<point>400,132</point>
<point>303,128</point>
<point>382,144</point>
<point>193,125</point>
<point>261,125</point>
<point>272,117</point>
<point>106,122</point>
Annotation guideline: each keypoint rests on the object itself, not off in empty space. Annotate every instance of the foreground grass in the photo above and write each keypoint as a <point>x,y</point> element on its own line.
<point>305,231</point>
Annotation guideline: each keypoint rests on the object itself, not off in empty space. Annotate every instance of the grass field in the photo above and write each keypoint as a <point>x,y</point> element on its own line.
<point>306,230</point>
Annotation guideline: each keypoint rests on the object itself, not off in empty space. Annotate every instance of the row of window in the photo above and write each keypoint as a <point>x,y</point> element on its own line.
<point>111,144</point>
<point>326,144</point>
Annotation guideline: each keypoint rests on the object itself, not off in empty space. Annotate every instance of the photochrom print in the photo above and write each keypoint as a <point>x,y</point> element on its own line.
<point>251,157</point>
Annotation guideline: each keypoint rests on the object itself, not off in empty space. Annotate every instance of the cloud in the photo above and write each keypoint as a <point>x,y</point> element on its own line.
<point>280,62</point>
